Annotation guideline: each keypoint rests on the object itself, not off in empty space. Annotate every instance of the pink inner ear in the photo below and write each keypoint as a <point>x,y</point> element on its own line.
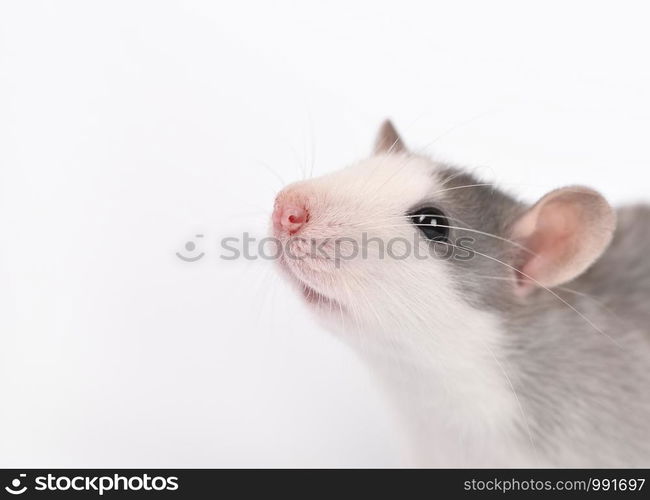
<point>566,231</point>
<point>553,243</point>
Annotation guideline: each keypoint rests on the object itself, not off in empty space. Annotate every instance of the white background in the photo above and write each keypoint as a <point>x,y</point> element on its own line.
<point>128,127</point>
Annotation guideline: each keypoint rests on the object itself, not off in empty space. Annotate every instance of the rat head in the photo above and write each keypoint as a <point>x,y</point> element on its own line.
<point>400,241</point>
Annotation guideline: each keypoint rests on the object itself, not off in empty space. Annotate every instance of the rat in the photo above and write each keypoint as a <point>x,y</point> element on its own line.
<point>519,336</point>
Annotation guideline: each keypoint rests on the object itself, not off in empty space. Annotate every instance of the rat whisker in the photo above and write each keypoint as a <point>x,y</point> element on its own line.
<point>394,144</point>
<point>457,126</point>
<point>446,181</point>
<point>299,163</point>
<point>313,145</point>
<point>476,231</point>
<point>588,296</point>
<point>492,184</point>
<point>587,320</point>
<point>273,172</point>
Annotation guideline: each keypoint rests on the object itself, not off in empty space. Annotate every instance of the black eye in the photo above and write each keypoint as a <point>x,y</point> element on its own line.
<point>432,222</point>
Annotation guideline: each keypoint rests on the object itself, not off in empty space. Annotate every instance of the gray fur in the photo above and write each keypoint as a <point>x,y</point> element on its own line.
<point>579,383</point>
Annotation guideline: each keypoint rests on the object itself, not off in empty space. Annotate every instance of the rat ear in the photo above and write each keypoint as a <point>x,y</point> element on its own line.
<point>565,231</point>
<point>388,140</point>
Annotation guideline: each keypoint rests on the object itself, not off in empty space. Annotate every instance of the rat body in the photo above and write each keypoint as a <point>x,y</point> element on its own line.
<point>522,338</point>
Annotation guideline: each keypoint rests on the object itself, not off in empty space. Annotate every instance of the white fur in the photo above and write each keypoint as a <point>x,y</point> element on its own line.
<point>438,358</point>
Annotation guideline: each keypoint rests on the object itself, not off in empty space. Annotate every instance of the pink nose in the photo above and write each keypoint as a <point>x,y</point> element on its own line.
<point>289,216</point>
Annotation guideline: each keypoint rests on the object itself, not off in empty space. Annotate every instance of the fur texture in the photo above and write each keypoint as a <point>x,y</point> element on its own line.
<point>479,374</point>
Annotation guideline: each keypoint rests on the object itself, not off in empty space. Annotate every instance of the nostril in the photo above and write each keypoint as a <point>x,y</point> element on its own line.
<point>297,216</point>
<point>290,216</point>
<point>294,217</point>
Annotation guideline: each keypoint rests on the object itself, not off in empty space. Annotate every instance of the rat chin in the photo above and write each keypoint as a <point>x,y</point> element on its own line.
<point>297,272</point>
<point>481,343</point>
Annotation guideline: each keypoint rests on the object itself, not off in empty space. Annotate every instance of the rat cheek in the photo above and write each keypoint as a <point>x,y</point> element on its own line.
<point>322,248</point>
